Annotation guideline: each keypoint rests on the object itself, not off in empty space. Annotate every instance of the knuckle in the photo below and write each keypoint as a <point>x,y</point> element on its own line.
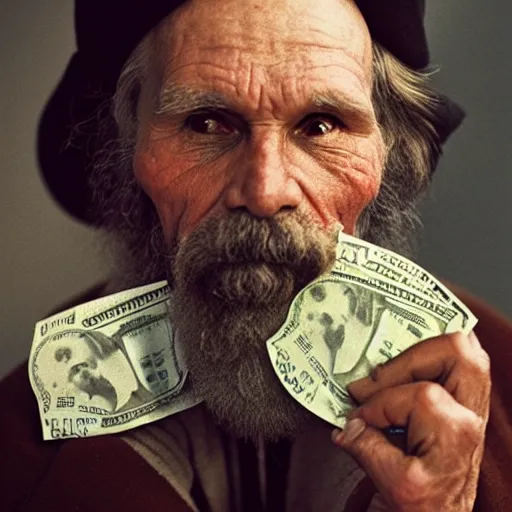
<point>484,361</point>
<point>462,432</point>
<point>480,361</point>
<point>429,395</point>
<point>460,344</point>
<point>472,427</point>
<point>470,353</point>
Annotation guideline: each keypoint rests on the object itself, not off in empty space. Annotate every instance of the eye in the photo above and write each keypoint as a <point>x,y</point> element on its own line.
<point>317,125</point>
<point>208,123</point>
<point>63,354</point>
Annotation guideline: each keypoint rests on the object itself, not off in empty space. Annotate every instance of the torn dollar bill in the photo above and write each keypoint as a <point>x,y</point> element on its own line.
<point>369,308</point>
<point>108,365</point>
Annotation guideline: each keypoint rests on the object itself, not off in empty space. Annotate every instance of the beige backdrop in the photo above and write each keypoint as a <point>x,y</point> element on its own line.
<point>46,257</point>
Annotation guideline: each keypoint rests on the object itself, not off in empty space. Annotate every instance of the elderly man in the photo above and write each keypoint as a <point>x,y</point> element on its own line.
<point>242,133</point>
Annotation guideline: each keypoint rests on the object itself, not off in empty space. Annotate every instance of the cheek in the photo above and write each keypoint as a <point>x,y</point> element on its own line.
<point>180,189</point>
<point>359,189</point>
<point>351,182</point>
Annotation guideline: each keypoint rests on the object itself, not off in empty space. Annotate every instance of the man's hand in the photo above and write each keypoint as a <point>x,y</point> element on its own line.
<point>439,390</point>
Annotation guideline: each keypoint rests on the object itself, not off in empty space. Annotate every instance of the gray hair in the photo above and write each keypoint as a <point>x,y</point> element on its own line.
<point>406,110</point>
<point>405,107</point>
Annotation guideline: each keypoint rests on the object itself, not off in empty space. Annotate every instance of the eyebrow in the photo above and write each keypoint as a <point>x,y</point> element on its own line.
<point>179,99</point>
<point>344,104</point>
<point>174,100</point>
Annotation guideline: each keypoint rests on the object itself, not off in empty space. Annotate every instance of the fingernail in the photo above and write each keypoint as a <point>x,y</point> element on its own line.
<point>336,433</point>
<point>352,430</point>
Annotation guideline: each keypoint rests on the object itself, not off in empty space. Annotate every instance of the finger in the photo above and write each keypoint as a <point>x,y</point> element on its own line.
<point>408,482</point>
<point>432,417</point>
<point>381,461</point>
<point>456,361</point>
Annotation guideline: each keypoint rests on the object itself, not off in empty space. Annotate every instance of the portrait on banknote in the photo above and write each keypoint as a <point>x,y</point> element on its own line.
<point>335,312</point>
<point>354,328</point>
<point>109,372</point>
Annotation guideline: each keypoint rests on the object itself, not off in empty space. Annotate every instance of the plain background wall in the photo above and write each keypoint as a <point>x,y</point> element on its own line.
<point>46,257</point>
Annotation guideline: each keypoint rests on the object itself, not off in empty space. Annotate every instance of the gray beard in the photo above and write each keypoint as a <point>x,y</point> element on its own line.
<point>233,282</point>
<point>231,371</point>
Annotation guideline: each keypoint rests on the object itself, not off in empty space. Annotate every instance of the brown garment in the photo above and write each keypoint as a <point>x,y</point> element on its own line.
<point>132,471</point>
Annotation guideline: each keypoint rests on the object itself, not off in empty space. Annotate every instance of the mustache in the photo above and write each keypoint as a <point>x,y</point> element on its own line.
<point>245,239</point>
<point>248,260</point>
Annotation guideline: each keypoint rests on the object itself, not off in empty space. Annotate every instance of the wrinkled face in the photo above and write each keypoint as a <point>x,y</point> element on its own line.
<point>256,136</point>
<point>262,106</point>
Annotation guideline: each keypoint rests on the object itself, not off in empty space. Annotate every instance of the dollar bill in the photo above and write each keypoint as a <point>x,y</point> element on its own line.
<point>373,305</point>
<point>109,365</point>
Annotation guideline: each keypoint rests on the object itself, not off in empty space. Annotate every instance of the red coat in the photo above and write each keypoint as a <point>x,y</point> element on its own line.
<point>105,474</point>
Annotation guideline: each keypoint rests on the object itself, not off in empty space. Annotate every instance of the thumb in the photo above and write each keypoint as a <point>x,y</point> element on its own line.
<point>383,462</point>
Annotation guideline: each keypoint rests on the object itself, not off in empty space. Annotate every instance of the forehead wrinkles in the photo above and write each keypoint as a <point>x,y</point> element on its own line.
<point>271,32</point>
<point>267,95</point>
<point>267,85</point>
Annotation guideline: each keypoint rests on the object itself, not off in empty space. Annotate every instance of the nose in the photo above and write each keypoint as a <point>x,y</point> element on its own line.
<point>262,184</point>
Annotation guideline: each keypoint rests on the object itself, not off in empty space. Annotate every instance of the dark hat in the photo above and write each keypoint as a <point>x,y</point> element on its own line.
<point>107,31</point>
